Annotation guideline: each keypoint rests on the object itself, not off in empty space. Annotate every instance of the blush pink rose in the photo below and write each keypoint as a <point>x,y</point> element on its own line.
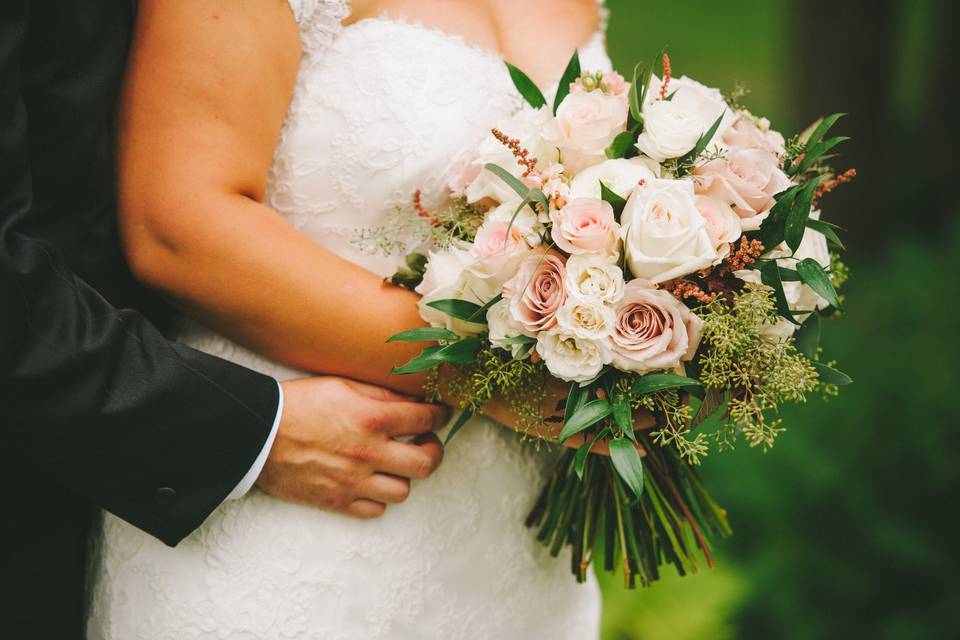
<point>748,135</point>
<point>653,330</point>
<point>747,180</point>
<point>586,226</point>
<point>499,246</point>
<point>723,225</point>
<point>536,292</point>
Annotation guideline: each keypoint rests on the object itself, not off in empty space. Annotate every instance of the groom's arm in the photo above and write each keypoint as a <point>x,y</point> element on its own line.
<point>154,432</point>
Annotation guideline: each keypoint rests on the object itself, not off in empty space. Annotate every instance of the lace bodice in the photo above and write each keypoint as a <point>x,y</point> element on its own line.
<point>381,107</point>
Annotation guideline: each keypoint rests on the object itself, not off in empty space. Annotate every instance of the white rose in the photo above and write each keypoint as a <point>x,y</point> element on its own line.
<point>621,176</point>
<point>571,358</point>
<point>502,326</point>
<point>526,221</point>
<point>665,235</point>
<point>800,297</point>
<point>593,277</point>
<point>586,318</point>
<point>526,126</point>
<point>586,123</point>
<point>447,277</point>
<point>672,127</point>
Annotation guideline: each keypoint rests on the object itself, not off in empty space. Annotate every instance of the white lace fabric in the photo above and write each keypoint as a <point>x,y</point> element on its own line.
<point>381,107</point>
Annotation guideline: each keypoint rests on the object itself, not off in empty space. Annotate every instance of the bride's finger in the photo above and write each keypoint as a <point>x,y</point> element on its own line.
<point>364,509</point>
<point>381,487</point>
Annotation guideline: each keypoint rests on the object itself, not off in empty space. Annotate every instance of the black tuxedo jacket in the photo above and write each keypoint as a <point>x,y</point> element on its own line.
<point>97,408</point>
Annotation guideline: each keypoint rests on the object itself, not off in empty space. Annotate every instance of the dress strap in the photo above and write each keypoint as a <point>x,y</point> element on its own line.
<point>320,21</point>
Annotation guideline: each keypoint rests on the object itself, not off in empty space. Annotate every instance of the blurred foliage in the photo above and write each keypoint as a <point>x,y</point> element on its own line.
<point>845,529</point>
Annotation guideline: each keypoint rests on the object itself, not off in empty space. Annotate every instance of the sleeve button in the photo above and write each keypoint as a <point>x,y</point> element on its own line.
<point>165,495</point>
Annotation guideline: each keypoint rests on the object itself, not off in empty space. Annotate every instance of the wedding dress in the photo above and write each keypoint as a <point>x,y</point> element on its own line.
<point>381,107</point>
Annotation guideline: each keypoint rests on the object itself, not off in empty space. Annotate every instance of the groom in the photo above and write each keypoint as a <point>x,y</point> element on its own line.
<point>97,408</point>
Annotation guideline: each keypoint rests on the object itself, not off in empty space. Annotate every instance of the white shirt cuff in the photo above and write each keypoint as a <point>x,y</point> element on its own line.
<point>248,480</point>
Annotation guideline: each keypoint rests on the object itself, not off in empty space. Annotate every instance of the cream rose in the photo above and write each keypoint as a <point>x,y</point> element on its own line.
<point>536,292</point>
<point>748,133</point>
<point>593,277</point>
<point>447,277</point>
<point>502,326</point>
<point>672,127</point>
<point>497,250</point>
<point>587,122</point>
<point>747,180</point>
<point>571,358</point>
<point>586,226</point>
<point>653,330</point>
<point>665,236</point>
<point>585,318</point>
<point>621,176</point>
<point>526,125</point>
<point>723,225</point>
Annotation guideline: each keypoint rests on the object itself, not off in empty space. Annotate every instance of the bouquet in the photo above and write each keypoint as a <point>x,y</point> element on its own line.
<point>659,248</point>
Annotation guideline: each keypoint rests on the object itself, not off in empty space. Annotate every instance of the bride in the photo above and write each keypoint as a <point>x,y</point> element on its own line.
<point>329,115</point>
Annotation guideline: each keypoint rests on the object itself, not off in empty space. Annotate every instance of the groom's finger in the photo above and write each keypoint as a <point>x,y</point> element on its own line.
<point>384,488</point>
<point>415,460</point>
<point>398,419</point>
<point>365,509</point>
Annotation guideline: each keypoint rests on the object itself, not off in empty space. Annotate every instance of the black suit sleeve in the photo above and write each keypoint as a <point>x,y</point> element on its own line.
<point>96,397</point>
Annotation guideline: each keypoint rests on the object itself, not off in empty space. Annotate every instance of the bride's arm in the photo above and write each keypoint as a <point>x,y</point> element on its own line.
<point>208,85</point>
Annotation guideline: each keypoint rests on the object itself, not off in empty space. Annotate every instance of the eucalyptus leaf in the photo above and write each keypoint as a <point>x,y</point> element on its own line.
<point>815,277</point>
<point>426,334</point>
<point>460,309</point>
<point>829,375</point>
<point>796,222</point>
<point>807,337</point>
<point>613,199</point>
<point>828,230</point>
<point>628,464</point>
<point>660,381</point>
<point>570,75</point>
<point>586,416</point>
<point>462,419</point>
<point>512,181</point>
<point>576,398</point>
<point>526,87</point>
<point>770,276</point>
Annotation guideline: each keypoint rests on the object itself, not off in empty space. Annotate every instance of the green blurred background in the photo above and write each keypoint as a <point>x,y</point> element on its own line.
<point>846,529</point>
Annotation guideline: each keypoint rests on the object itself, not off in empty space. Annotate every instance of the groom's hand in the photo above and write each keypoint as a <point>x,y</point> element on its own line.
<point>335,446</point>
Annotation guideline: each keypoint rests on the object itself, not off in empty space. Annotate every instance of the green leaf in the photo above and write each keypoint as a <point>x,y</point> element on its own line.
<point>789,275</point>
<point>576,398</point>
<point>427,334</point>
<point>416,261</point>
<point>512,181</point>
<point>539,197</point>
<point>796,222</point>
<point>623,145</point>
<point>711,402</point>
<point>518,340</point>
<point>815,153</point>
<point>626,460</point>
<point>527,87</point>
<point>463,351</point>
<point>480,315</point>
<point>824,125</point>
<point>623,415</point>
<point>815,277</point>
<point>570,74</point>
<point>580,460</point>
<point>462,419</point>
<point>827,229</point>
<point>702,143</point>
<point>770,276</point>
<point>524,350</point>
<point>807,338</point>
<point>829,375</point>
<point>660,381</point>
<point>636,107</point>
<point>773,228</point>
<point>460,309</point>
<point>586,416</point>
<point>426,360</point>
<point>613,199</point>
